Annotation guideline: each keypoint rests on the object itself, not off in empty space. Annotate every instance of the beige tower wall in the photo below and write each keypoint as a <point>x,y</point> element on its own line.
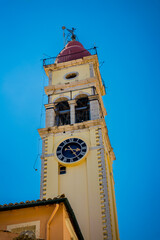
<point>81,183</point>
<point>89,184</point>
<point>58,77</point>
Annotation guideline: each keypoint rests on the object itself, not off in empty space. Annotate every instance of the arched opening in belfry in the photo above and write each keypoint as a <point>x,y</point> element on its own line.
<point>62,111</point>
<point>82,110</point>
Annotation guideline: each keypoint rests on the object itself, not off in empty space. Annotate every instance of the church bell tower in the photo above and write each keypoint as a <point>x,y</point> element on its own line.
<point>77,155</point>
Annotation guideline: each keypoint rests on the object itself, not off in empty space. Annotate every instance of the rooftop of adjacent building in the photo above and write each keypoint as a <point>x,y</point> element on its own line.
<point>32,203</point>
<point>43,203</point>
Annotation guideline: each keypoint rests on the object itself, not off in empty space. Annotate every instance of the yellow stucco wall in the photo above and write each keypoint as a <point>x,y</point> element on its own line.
<point>82,70</point>
<point>80,183</point>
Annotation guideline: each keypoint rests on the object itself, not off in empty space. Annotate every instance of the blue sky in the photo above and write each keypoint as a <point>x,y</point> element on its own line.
<point>127,34</point>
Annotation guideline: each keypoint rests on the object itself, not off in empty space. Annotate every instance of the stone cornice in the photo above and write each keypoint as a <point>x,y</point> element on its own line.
<point>61,88</point>
<point>58,129</point>
<point>58,66</point>
<point>71,127</point>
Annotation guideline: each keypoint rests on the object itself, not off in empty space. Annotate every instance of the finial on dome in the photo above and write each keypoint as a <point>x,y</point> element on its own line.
<point>70,36</point>
<point>71,31</point>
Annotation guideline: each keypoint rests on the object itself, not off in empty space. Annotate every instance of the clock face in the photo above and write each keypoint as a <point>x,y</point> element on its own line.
<point>71,150</point>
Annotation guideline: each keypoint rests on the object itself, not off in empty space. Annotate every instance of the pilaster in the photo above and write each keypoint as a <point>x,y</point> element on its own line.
<point>50,78</point>
<point>94,107</point>
<point>50,114</point>
<point>91,70</point>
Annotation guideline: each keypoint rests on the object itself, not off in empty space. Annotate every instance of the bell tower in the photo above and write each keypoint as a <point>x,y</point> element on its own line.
<point>77,155</point>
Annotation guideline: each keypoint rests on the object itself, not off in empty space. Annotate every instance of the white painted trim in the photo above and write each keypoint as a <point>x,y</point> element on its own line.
<point>70,73</point>
<point>82,93</point>
<point>71,229</point>
<point>26,224</point>
<point>60,97</point>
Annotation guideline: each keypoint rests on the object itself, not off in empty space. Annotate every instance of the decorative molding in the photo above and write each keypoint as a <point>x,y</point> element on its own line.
<point>47,155</point>
<point>103,186</point>
<point>49,106</point>
<point>26,224</point>
<point>44,167</point>
<point>64,89</point>
<point>70,127</point>
<point>70,73</point>
<point>60,97</point>
<point>80,61</point>
<point>81,93</point>
<point>71,85</point>
<point>93,97</point>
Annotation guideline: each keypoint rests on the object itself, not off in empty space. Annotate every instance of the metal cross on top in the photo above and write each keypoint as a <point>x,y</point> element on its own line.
<point>71,31</point>
<point>70,34</point>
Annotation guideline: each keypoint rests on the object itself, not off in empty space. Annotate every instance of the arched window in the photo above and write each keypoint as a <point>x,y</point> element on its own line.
<point>62,113</point>
<point>82,110</point>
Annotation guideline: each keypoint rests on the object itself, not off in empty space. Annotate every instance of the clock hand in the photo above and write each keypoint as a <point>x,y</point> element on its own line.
<point>67,149</point>
<point>77,149</point>
<point>72,151</point>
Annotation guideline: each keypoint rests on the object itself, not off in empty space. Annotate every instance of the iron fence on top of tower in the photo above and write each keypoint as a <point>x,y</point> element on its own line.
<point>52,60</point>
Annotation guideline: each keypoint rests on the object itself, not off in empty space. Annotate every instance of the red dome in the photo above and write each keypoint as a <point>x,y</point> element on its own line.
<point>72,51</point>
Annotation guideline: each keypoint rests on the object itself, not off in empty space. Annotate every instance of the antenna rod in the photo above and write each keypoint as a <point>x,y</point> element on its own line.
<point>63,28</point>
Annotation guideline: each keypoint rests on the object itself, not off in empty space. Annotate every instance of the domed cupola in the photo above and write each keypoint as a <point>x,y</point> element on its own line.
<point>72,51</point>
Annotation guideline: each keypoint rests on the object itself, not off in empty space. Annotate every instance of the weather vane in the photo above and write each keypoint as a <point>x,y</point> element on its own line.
<point>70,35</point>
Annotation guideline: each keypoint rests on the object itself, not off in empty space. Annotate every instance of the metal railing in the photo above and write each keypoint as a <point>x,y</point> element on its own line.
<point>52,60</point>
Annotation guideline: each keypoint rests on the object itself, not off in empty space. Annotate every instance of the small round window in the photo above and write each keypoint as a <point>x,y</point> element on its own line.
<point>71,75</point>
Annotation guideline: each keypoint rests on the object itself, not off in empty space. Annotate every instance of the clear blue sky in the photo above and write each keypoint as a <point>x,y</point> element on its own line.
<point>127,34</point>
